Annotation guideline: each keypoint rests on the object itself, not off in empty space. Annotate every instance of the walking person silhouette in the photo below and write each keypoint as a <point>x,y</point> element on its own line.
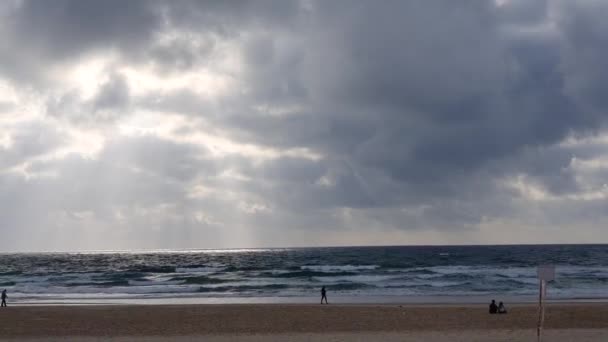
<point>4,296</point>
<point>323,295</point>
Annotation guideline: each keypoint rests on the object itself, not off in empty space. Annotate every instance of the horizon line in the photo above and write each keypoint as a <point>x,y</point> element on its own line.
<point>158,250</point>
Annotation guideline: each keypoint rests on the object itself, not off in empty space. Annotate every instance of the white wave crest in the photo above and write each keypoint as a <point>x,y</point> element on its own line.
<point>339,268</point>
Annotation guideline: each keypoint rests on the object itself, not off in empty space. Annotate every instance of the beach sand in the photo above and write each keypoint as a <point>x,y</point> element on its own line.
<point>564,322</point>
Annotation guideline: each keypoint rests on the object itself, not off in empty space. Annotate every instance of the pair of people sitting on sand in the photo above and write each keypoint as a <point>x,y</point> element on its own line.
<point>500,308</point>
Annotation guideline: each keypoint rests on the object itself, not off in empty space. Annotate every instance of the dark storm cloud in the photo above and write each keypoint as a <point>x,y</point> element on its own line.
<point>381,93</point>
<point>522,12</point>
<point>585,45</point>
<point>388,101</point>
<point>68,28</point>
<point>39,34</point>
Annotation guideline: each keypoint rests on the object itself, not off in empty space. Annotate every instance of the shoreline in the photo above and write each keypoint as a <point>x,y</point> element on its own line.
<point>339,300</point>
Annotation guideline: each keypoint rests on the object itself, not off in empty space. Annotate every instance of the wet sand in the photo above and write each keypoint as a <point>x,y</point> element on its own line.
<point>564,322</point>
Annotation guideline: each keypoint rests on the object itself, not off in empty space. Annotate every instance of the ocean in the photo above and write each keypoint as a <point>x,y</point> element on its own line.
<point>350,274</point>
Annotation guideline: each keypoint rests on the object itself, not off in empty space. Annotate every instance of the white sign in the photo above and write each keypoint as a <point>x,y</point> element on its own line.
<point>546,272</point>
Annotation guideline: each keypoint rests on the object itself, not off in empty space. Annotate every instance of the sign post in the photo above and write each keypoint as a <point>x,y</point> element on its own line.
<point>545,273</point>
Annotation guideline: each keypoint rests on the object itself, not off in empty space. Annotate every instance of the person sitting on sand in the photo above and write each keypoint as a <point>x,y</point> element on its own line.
<point>501,308</point>
<point>4,296</point>
<point>323,295</point>
<point>493,307</point>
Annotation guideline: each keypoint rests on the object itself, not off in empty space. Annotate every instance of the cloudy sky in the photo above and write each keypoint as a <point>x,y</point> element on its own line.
<point>212,124</point>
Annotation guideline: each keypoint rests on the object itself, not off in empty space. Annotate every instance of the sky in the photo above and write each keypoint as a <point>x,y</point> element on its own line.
<point>226,124</point>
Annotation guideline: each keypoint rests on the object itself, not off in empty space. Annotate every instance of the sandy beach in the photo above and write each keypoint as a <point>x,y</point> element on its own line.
<point>564,322</point>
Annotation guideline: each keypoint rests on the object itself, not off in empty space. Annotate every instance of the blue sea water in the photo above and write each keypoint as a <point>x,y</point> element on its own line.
<point>353,272</point>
